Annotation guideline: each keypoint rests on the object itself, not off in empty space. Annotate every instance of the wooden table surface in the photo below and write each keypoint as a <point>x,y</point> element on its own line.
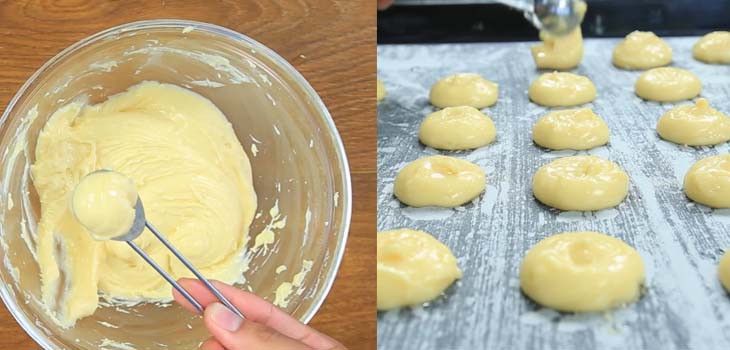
<point>337,41</point>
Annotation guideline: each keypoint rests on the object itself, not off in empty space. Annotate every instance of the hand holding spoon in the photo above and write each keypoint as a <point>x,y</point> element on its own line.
<point>107,205</point>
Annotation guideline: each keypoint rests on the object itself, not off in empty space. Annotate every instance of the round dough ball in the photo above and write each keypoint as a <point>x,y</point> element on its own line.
<point>723,270</point>
<point>694,125</point>
<point>464,89</point>
<point>381,90</point>
<point>642,50</point>
<point>583,183</point>
<point>439,181</point>
<point>457,128</point>
<point>104,202</point>
<point>713,48</point>
<point>708,181</point>
<point>668,84</point>
<point>413,268</point>
<point>577,129</point>
<point>582,272</point>
<point>562,52</point>
<point>560,89</point>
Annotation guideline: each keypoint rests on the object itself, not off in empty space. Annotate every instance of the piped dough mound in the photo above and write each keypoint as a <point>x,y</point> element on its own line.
<point>439,181</point>
<point>413,268</point>
<point>457,128</point>
<point>577,129</point>
<point>708,181</point>
<point>713,48</point>
<point>559,52</point>
<point>694,125</point>
<point>668,84</point>
<point>583,183</point>
<point>562,89</point>
<point>723,270</point>
<point>464,89</point>
<point>582,272</point>
<point>381,90</point>
<point>642,50</point>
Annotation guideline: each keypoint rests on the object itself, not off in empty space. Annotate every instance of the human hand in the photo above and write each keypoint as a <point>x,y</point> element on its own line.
<point>265,326</point>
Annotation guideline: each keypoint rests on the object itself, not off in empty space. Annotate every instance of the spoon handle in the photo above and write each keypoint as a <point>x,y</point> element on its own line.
<point>166,276</point>
<point>192,269</point>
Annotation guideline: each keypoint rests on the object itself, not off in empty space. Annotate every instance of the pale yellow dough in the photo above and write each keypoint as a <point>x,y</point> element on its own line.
<point>560,52</point>
<point>708,181</point>
<point>576,129</point>
<point>190,171</point>
<point>457,128</point>
<point>560,89</point>
<point>642,50</point>
<point>413,268</point>
<point>723,270</point>
<point>582,272</point>
<point>668,84</point>
<point>381,90</point>
<point>713,48</point>
<point>439,181</point>
<point>104,203</point>
<point>464,89</point>
<point>583,183</point>
<point>694,125</point>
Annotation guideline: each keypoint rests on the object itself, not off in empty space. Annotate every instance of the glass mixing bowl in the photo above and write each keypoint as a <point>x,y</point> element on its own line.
<point>296,155</point>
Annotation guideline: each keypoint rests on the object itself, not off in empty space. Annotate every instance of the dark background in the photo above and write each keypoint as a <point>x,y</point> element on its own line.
<point>496,22</point>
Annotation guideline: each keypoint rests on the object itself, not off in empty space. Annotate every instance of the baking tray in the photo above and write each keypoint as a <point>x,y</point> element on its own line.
<point>684,306</point>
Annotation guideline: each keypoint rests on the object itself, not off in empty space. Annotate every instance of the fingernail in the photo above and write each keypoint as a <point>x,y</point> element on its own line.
<point>224,318</point>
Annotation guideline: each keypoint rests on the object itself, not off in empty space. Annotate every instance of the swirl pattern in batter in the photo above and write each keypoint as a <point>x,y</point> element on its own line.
<point>191,173</point>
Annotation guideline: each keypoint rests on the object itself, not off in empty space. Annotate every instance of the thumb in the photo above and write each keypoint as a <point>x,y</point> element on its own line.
<point>234,333</point>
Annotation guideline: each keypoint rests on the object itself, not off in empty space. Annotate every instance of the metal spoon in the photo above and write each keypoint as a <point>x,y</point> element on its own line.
<point>557,17</point>
<point>140,222</point>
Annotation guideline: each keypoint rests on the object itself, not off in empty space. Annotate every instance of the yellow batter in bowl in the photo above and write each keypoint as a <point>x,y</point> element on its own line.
<point>190,170</point>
